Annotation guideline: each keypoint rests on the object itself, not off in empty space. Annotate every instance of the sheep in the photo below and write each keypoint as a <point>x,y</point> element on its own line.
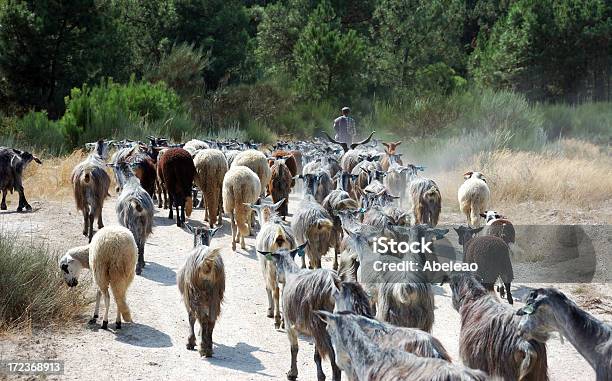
<point>279,185</point>
<point>492,255</point>
<point>489,338</point>
<point>473,197</point>
<point>258,163</point>
<point>273,236</point>
<point>194,145</point>
<point>111,256</point>
<point>90,184</point>
<point>311,223</point>
<point>359,356</point>
<point>211,167</point>
<point>135,210</point>
<point>178,171</point>
<point>12,164</point>
<point>306,291</point>
<point>241,187</point>
<point>548,310</point>
<point>201,282</point>
<point>499,226</point>
<point>335,202</point>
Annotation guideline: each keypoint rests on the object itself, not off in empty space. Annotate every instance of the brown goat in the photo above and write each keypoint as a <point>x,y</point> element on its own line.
<point>490,337</point>
<point>178,171</point>
<point>280,184</point>
<point>390,151</point>
<point>290,162</point>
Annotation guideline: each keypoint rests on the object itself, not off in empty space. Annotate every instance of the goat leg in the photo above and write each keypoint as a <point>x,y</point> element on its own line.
<point>336,372</point>
<point>100,222</point>
<point>277,314</point>
<point>23,203</point>
<point>90,216</point>
<point>171,204</point>
<point>141,261</point>
<point>206,343</point>
<point>3,204</point>
<point>317,360</point>
<point>191,340</point>
<point>508,293</point>
<point>106,308</point>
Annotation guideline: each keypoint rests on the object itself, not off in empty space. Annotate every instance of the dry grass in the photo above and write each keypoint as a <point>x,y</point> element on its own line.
<point>32,289</point>
<point>568,172</point>
<point>51,180</point>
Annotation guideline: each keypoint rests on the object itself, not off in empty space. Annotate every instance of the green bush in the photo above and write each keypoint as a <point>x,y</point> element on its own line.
<point>104,110</point>
<point>34,131</point>
<point>32,288</point>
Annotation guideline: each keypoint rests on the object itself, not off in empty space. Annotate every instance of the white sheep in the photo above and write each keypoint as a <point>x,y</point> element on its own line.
<point>111,257</point>
<point>241,187</point>
<point>473,197</point>
<point>258,163</point>
<point>195,145</point>
<point>211,167</point>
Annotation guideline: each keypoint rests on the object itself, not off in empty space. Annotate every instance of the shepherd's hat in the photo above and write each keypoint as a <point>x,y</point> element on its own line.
<point>345,109</point>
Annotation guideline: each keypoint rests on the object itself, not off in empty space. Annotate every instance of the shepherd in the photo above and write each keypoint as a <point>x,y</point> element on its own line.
<point>344,126</point>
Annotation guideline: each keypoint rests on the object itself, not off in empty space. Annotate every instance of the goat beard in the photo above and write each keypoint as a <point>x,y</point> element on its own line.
<point>188,206</point>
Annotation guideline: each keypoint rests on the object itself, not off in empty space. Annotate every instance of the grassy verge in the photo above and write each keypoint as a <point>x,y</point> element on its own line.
<point>32,289</point>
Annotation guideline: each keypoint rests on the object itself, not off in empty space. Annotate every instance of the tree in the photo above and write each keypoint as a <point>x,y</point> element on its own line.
<point>412,34</point>
<point>328,61</point>
<point>47,47</point>
<point>550,50</point>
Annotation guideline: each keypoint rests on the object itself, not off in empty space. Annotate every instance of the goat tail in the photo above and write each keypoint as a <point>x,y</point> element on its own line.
<point>119,290</point>
<point>324,224</point>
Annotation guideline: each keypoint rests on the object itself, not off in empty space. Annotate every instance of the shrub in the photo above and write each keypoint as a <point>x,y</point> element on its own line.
<point>34,131</point>
<point>102,111</point>
<point>32,288</point>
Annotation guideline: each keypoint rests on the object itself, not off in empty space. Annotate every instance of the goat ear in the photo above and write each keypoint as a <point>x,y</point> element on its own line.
<point>440,233</point>
<point>189,227</point>
<point>477,230</point>
<point>385,144</point>
<point>300,250</point>
<point>213,231</point>
<point>467,175</point>
<point>483,215</point>
<point>278,204</point>
<point>64,267</point>
<point>397,143</point>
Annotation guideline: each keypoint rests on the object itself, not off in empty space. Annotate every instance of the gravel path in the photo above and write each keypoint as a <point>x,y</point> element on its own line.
<point>246,345</point>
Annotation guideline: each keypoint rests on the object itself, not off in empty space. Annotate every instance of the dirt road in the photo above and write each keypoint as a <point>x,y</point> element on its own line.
<point>246,345</point>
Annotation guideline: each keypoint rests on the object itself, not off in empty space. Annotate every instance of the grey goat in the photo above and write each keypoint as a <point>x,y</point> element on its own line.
<point>90,184</point>
<point>489,338</point>
<point>360,356</point>
<point>548,310</point>
<point>134,210</point>
<point>311,223</point>
<point>306,291</point>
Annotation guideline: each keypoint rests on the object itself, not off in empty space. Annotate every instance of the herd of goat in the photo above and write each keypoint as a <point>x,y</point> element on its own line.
<point>368,330</point>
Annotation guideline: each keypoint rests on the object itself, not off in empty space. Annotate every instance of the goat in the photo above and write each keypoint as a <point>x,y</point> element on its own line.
<point>134,210</point>
<point>241,187</point>
<point>311,223</point>
<point>12,164</point>
<point>280,184</point>
<point>273,236</point>
<point>492,256</point>
<point>306,291</point>
<point>548,310</point>
<point>336,202</point>
<point>178,171</point>
<point>90,184</point>
<point>201,282</point>
<point>359,356</point>
<point>351,157</point>
<point>489,339</point>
